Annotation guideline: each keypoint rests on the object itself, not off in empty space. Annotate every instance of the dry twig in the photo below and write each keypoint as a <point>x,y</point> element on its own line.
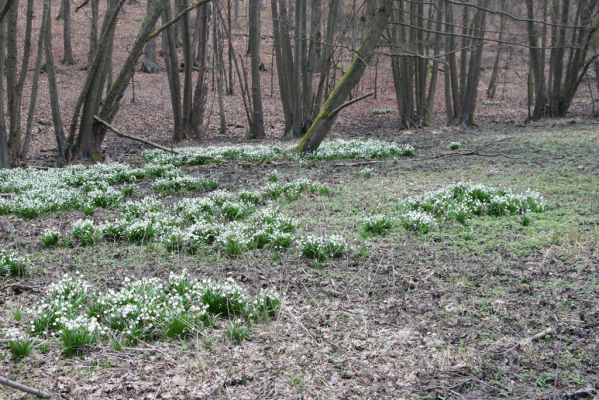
<point>23,388</point>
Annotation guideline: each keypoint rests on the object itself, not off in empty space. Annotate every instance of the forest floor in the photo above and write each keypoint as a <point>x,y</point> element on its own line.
<point>445,315</point>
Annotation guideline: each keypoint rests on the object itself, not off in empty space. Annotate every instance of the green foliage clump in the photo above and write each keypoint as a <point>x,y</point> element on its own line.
<point>19,344</point>
<point>12,264</point>
<point>462,201</point>
<point>86,232</point>
<point>145,309</point>
<point>51,237</point>
<point>321,248</point>
<point>377,225</point>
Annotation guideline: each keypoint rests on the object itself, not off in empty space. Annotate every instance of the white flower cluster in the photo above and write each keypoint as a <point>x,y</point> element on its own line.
<point>320,248</point>
<point>358,149</point>
<point>329,150</point>
<point>232,222</point>
<point>419,221</point>
<point>65,300</point>
<point>37,192</point>
<point>199,155</point>
<point>86,231</point>
<point>12,264</point>
<point>14,334</point>
<point>90,325</point>
<point>148,309</point>
<point>183,183</point>
<point>377,224</point>
<point>462,200</point>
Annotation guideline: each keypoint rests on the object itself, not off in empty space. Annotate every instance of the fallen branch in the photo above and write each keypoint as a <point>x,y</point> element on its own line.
<point>137,139</point>
<point>537,336</point>
<point>23,388</point>
<point>475,152</point>
<point>349,103</point>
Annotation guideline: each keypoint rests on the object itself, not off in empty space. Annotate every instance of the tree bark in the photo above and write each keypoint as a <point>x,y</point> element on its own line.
<point>52,87</point>
<point>257,126</point>
<point>492,88</point>
<point>172,71</point>
<point>66,33</point>
<point>150,64</point>
<point>5,156</point>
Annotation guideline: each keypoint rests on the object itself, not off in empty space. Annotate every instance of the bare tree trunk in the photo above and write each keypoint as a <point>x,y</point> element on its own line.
<point>257,126</point>
<point>471,90</point>
<point>5,156</point>
<point>537,64</point>
<point>220,70</point>
<point>201,89</point>
<point>452,91</point>
<point>311,59</point>
<point>12,87</point>
<point>66,33</point>
<point>298,111</point>
<point>91,95</point>
<point>172,72</point>
<point>329,111</point>
<point>230,52</point>
<point>150,64</point>
<point>93,35</point>
<point>492,88</point>
<point>35,83</point>
<point>187,66</point>
<point>282,66</point>
<point>56,118</point>
<point>432,91</point>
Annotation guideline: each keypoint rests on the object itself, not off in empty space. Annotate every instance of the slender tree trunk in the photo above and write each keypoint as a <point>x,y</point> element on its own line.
<point>471,89</point>
<point>93,34</point>
<point>492,88</point>
<point>52,87</point>
<point>187,66</point>
<point>298,111</point>
<point>201,88</point>
<point>257,127</point>
<point>5,156</point>
<point>230,52</point>
<point>329,111</point>
<point>220,70</point>
<point>537,64</point>
<point>432,91</point>
<point>66,32</point>
<point>111,103</point>
<point>150,63</point>
<point>281,66</point>
<point>172,72</point>
<point>35,83</point>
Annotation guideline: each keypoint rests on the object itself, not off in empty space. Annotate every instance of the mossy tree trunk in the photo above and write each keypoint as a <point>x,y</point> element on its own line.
<point>325,119</point>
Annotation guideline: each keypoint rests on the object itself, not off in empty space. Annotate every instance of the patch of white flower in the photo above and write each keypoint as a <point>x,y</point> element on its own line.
<point>320,248</point>
<point>14,334</point>
<point>462,200</point>
<point>13,264</point>
<point>419,221</point>
<point>328,150</point>
<point>144,309</point>
<point>230,222</point>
